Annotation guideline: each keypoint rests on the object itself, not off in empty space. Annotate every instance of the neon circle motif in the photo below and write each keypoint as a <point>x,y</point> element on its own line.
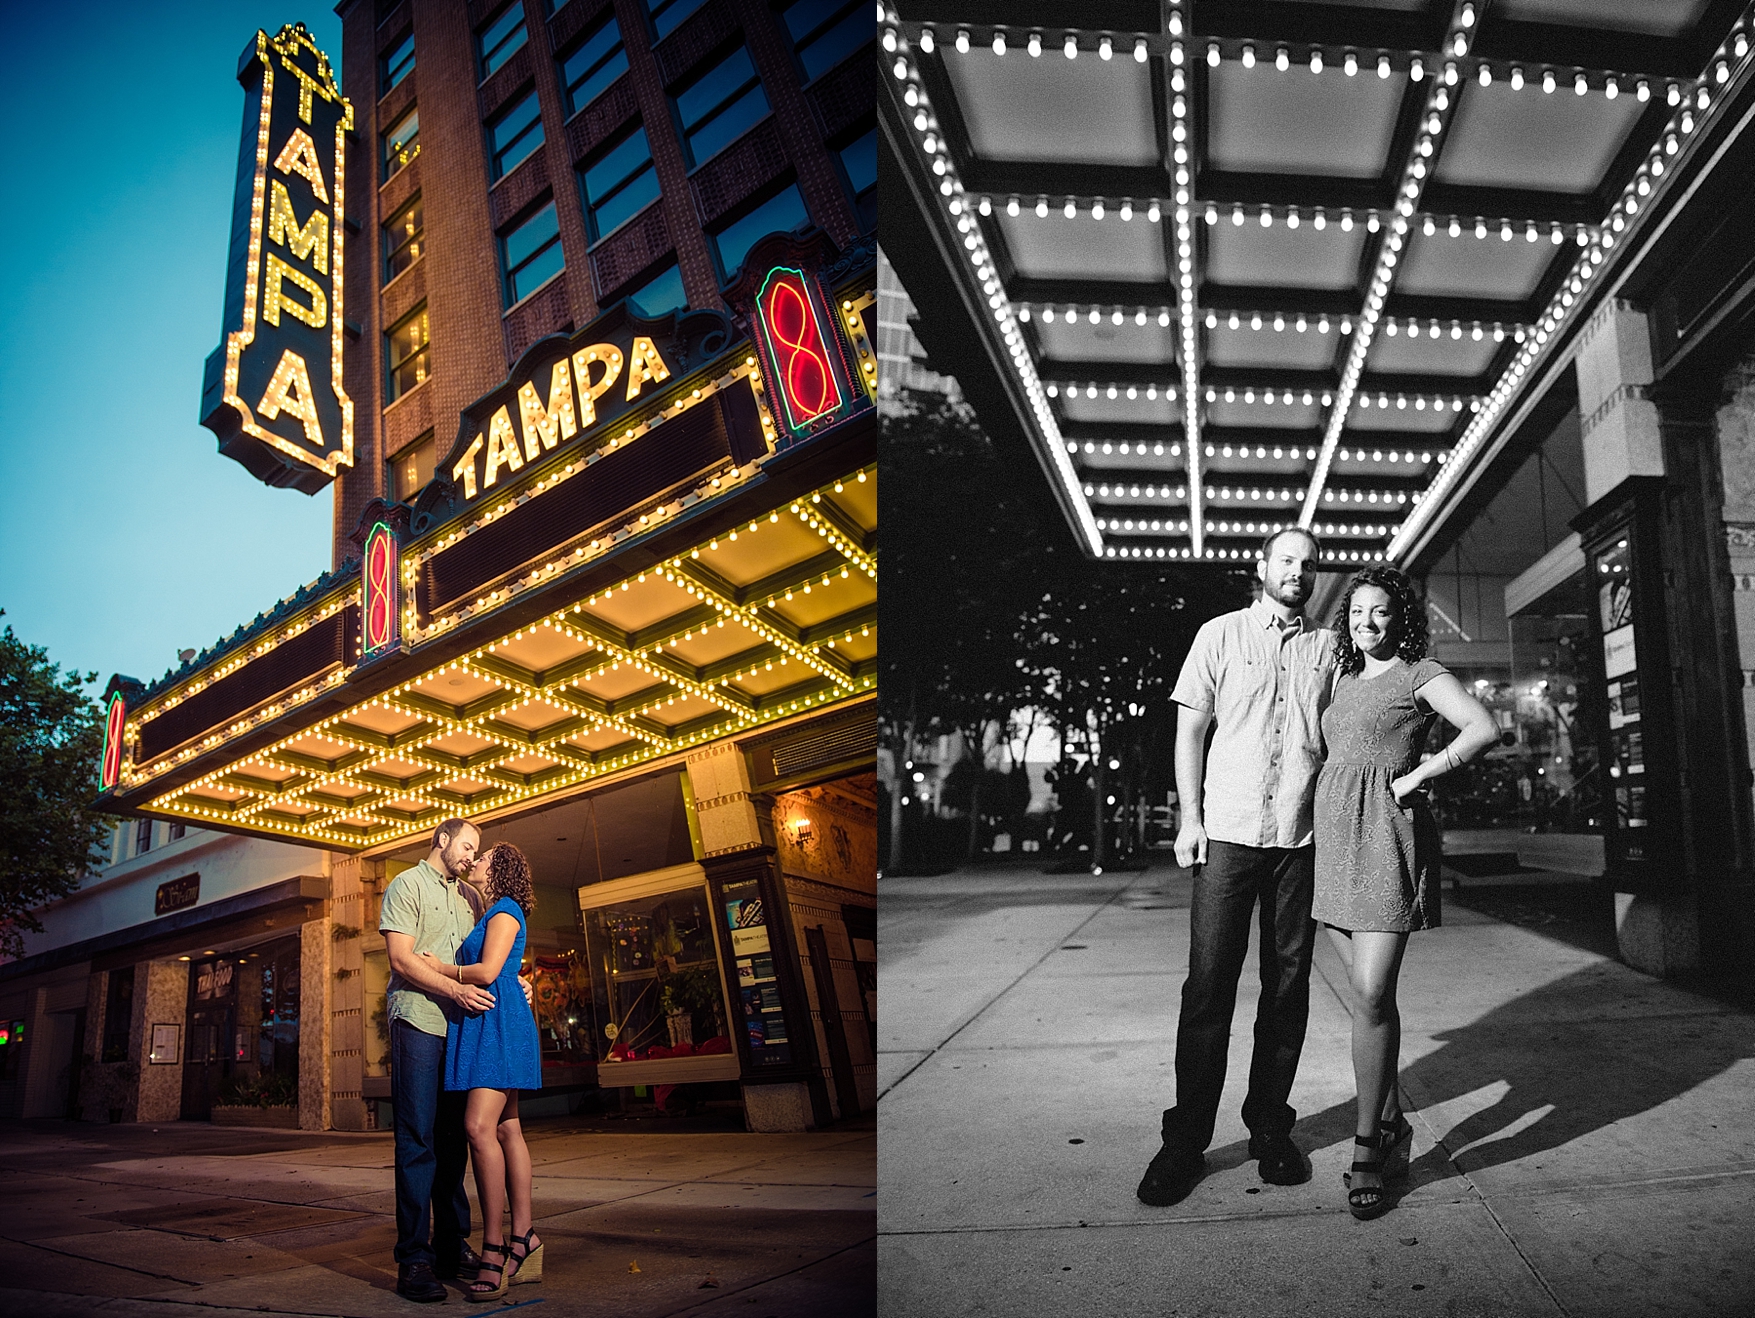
<point>113,723</point>
<point>803,374</point>
<point>378,581</point>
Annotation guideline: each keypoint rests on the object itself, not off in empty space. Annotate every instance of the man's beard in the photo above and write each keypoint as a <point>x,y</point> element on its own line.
<point>1293,593</point>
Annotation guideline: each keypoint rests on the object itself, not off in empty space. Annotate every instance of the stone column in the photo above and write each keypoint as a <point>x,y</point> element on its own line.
<point>161,997</point>
<point>1622,438</point>
<point>735,819</point>
<point>316,1030</point>
<point>347,1013</point>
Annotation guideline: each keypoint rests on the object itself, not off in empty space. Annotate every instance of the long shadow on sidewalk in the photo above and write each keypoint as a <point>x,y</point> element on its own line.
<point>1568,1067</point>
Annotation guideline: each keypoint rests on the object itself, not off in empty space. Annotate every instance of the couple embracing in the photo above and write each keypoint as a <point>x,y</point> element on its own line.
<point>1314,806</point>
<point>463,1042</point>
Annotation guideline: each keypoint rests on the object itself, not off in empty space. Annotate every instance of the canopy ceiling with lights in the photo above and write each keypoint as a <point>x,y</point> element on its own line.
<point>699,564</point>
<point>1354,234</point>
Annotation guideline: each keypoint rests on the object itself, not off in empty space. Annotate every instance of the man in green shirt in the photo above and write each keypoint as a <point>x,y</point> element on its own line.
<point>430,908</point>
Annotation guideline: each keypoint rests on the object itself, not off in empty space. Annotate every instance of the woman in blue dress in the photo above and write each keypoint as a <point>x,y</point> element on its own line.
<point>493,1055</point>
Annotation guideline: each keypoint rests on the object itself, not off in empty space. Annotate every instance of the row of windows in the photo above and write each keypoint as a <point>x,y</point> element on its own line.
<point>712,109</point>
<point>506,34</point>
<point>144,833</point>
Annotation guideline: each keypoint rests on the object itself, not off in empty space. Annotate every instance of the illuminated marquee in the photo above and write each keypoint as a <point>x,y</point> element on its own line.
<point>379,625</point>
<point>803,370</point>
<point>273,389</point>
<point>114,722</point>
<point>568,390</point>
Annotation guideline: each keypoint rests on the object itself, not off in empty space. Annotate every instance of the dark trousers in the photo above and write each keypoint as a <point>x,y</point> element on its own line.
<point>431,1148</point>
<point>1226,890</point>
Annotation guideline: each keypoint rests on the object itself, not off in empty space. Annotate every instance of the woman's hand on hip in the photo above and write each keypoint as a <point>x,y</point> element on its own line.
<point>1405,787</point>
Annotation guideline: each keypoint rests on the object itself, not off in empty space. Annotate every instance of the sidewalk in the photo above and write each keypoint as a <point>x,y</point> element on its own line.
<point>1584,1135</point>
<point>186,1219</point>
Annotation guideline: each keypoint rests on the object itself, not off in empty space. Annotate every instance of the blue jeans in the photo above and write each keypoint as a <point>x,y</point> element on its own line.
<point>1226,891</point>
<point>431,1149</point>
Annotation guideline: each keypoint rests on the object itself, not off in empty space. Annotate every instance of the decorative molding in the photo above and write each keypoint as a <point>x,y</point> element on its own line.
<point>1740,535</point>
<point>1620,394</point>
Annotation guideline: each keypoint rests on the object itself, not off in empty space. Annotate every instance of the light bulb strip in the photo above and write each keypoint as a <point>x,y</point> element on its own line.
<point>1440,105</point>
<point>958,214</point>
<point>1226,556</point>
<point>1697,105</point>
<point>370,822</point>
<point>1182,132</point>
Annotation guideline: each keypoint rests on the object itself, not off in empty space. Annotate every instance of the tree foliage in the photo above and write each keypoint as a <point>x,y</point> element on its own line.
<point>51,735</point>
<point>990,607</point>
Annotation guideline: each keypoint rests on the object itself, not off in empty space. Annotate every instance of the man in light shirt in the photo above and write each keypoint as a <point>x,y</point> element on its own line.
<point>430,908</point>
<point>1258,678</point>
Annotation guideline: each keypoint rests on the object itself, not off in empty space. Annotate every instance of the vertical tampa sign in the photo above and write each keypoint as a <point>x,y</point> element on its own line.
<point>273,388</point>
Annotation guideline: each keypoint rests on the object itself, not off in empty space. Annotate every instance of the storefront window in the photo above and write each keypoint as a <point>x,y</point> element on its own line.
<point>654,976</point>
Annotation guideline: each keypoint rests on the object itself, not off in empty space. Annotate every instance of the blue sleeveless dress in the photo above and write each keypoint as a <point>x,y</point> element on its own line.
<point>497,1049</point>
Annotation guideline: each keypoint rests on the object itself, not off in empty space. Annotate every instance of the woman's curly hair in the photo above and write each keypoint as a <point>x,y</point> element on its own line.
<point>1410,618</point>
<point>509,876</point>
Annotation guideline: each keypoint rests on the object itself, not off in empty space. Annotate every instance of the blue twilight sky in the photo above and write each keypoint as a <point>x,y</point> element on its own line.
<point>124,535</point>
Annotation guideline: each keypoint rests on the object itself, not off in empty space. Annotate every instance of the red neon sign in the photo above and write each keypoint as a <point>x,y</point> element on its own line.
<point>378,580</point>
<point>801,371</point>
<point>113,721</point>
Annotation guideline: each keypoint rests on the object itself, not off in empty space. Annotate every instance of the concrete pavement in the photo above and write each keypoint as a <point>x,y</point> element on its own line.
<point>129,1221</point>
<point>1584,1135</point>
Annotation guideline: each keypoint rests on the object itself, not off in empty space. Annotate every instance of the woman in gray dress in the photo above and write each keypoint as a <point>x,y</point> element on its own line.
<point>1377,845</point>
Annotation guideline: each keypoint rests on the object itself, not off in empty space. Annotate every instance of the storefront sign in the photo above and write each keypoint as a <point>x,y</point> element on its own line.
<point>114,721</point>
<point>273,390</point>
<point>804,371</point>
<point>177,894</point>
<point>562,401</point>
<point>380,615</point>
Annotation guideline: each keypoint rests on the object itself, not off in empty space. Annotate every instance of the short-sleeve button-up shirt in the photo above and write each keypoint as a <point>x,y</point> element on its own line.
<point>438,915</point>
<point>1265,687</point>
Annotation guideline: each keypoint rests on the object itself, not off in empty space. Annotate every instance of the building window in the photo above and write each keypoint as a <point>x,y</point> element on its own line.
<point>402,142</point>
<point>662,293</point>
<point>667,15</point>
<point>406,345</point>
<point>411,469</point>
<point>531,254</point>
<point>720,104</point>
<point>859,166</point>
<point>619,184</point>
<point>594,63</point>
<point>178,830</point>
<point>781,213</point>
<point>118,1015</point>
<point>396,64</point>
<point>514,135</point>
<point>502,38</point>
<point>404,237</point>
<point>143,837</point>
<point>825,32</point>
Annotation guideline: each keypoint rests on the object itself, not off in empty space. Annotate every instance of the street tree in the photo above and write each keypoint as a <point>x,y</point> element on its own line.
<point>51,735</point>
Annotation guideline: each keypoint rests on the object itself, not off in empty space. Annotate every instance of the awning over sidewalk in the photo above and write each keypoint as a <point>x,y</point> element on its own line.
<point>653,535</point>
<point>1230,266</point>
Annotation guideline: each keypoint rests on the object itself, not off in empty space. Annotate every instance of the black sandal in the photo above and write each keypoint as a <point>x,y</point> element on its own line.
<point>1398,1146</point>
<point>1359,1203</point>
<point>479,1290</point>
<point>526,1267</point>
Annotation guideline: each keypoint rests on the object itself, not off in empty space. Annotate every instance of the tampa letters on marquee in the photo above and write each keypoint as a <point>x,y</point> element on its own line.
<point>273,388</point>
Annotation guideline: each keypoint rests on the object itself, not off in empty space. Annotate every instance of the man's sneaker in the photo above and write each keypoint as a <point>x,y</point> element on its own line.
<point>415,1281</point>
<point>1281,1161</point>
<point>1171,1176</point>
